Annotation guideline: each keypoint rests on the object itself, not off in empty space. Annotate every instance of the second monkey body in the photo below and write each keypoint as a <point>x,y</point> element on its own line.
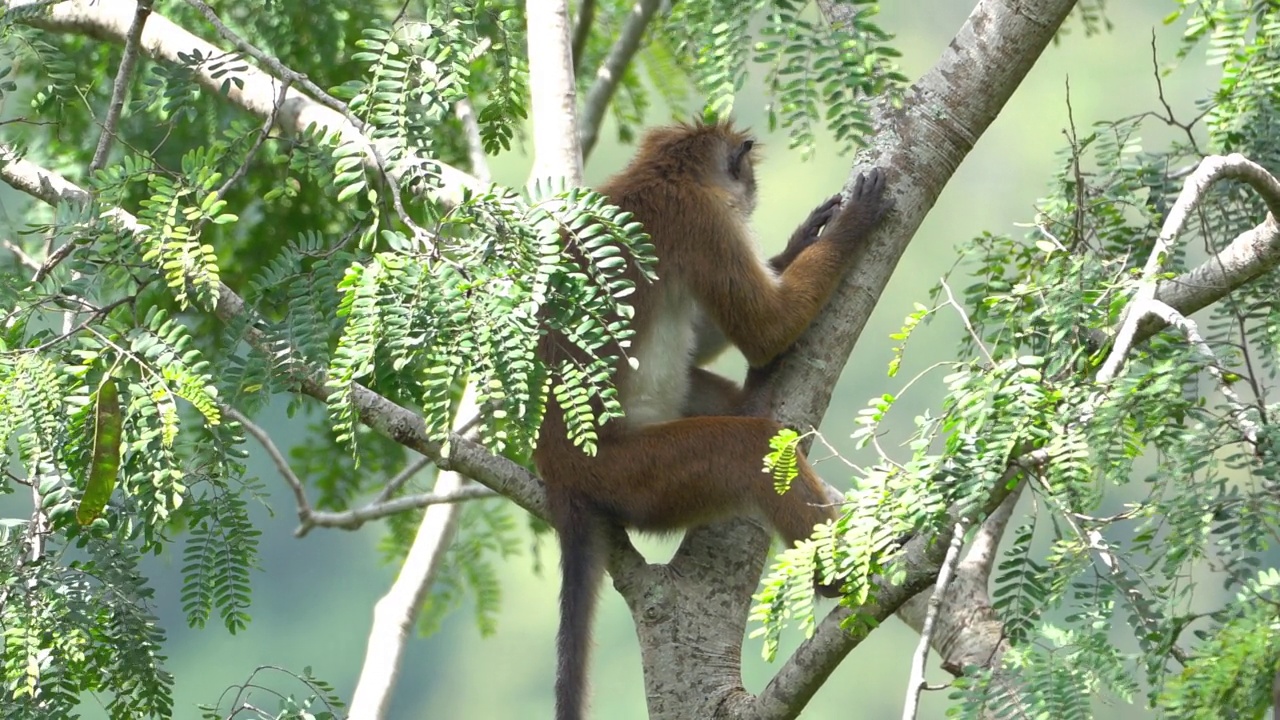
<point>685,453</point>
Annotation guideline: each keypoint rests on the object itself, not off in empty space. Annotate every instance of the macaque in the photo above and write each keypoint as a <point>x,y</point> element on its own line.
<point>687,451</point>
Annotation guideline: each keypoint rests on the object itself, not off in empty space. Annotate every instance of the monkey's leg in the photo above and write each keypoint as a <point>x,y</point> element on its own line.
<point>696,470</point>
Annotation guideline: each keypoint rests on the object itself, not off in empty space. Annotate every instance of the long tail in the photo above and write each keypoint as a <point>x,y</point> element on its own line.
<point>582,566</point>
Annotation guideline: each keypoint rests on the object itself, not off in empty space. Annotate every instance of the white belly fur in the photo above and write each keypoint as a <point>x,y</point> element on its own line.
<point>654,391</point>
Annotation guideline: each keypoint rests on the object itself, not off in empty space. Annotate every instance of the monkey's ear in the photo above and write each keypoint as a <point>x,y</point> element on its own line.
<point>737,156</point>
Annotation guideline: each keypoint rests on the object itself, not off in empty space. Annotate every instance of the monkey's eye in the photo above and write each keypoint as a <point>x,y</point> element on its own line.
<point>735,159</point>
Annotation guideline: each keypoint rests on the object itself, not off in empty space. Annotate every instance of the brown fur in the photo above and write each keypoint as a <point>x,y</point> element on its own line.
<point>667,466</point>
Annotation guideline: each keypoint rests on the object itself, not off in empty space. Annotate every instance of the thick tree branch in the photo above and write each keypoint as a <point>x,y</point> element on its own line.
<point>552,93</point>
<point>921,144</point>
<point>1250,255</point>
<point>244,85</point>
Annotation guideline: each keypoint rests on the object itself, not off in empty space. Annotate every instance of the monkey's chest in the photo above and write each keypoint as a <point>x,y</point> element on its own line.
<point>655,389</point>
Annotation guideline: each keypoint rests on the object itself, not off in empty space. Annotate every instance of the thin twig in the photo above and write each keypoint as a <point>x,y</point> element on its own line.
<point>243,168</point>
<point>55,259</point>
<point>915,683</point>
<point>95,314</point>
<point>1239,417</point>
<point>282,465</point>
<point>968,326</point>
<point>1119,579</point>
<point>120,90</point>
<point>263,134</point>
<point>309,518</point>
<point>355,517</point>
<point>1169,118</point>
<point>402,477</point>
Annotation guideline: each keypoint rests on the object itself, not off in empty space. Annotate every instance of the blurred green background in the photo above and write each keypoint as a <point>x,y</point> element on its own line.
<point>314,597</point>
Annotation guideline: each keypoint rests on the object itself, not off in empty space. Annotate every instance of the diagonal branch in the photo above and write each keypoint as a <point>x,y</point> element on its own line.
<point>921,144</point>
<point>817,657</point>
<point>124,76</point>
<point>1207,173</point>
<point>611,71</point>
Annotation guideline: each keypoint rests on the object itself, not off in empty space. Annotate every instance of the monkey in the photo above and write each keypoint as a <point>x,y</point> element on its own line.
<point>684,452</point>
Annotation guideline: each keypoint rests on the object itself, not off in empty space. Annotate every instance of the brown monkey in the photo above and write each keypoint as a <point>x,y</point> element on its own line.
<point>683,454</point>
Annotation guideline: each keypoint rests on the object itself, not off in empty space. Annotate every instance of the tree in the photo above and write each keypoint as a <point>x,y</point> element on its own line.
<point>153,306</point>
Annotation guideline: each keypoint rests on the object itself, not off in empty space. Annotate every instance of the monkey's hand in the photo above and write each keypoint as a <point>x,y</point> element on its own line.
<point>867,207</point>
<point>807,233</point>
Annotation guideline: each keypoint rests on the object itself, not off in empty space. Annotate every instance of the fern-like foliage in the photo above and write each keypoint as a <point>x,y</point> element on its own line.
<point>481,311</point>
<point>1233,671</point>
<point>816,72</point>
<point>70,627</point>
<point>350,274</point>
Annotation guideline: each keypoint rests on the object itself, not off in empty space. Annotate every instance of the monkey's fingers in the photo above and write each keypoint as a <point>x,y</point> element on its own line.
<point>878,179</point>
<point>869,199</point>
<point>824,212</point>
<point>832,203</point>
<point>869,186</point>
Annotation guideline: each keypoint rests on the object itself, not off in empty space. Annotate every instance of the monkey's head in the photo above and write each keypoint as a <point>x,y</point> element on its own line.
<point>714,155</point>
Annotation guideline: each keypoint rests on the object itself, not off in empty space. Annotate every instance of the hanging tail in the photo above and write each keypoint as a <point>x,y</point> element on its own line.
<point>582,567</point>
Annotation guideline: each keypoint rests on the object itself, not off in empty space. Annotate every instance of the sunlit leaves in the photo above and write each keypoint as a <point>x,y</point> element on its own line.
<point>781,462</point>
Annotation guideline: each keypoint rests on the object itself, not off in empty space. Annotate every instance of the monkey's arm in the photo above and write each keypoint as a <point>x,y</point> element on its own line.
<point>759,313</point>
<point>710,339</point>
